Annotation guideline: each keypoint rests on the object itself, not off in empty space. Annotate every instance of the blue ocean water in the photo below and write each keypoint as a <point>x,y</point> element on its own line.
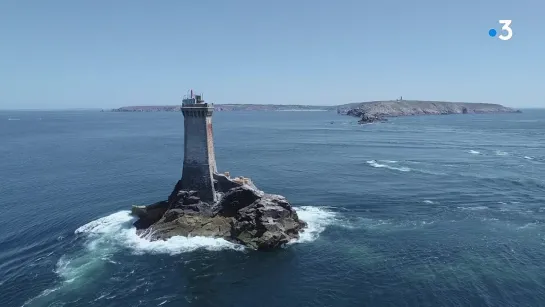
<point>419,211</point>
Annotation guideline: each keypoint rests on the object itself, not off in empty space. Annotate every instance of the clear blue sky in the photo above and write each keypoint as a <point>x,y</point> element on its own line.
<point>103,53</point>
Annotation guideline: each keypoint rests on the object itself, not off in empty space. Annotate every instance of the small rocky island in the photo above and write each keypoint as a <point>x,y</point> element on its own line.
<point>243,214</point>
<point>377,111</point>
<point>207,203</point>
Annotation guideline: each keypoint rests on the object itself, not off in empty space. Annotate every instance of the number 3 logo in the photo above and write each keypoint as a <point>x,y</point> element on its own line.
<point>506,24</point>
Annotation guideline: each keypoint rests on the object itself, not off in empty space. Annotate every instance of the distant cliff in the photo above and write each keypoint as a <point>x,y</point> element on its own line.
<point>380,110</point>
<point>229,107</point>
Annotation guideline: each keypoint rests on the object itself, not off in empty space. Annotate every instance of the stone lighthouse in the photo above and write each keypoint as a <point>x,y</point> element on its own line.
<point>199,158</point>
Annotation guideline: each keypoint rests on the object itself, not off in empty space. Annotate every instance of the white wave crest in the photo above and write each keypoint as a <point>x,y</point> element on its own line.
<point>39,299</point>
<point>374,163</point>
<point>116,229</point>
<point>473,208</point>
<point>474,152</point>
<point>528,225</point>
<point>501,153</point>
<point>528,158</point>
<point>317,220</point>
<point>106,236</point>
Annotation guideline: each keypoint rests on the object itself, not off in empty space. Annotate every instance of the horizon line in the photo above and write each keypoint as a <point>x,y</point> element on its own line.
<point>263,104</point>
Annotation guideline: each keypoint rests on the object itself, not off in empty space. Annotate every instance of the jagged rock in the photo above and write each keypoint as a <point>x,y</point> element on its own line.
<point>174,196</point>
<point>149,215</point>
<point>371,118</point>
<point>236,199</point>
<point>243,214</point>
<point>223,184</point>
<point>192,200</point>
<point>181,197</point>
<point>267,223</point>
<point>180,223</point>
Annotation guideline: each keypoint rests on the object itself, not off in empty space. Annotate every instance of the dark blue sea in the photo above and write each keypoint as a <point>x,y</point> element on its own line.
<point>419,211</point>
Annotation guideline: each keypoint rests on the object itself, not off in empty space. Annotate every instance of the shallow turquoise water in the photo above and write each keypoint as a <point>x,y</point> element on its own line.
<point>420,211</point>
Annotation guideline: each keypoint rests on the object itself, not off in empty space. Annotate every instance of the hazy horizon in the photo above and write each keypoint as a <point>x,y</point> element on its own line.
<point>105,55</point>
<point>108,109</point>
<point>242,103</point>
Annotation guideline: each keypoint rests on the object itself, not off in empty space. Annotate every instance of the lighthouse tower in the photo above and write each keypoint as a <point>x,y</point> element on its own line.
<point>199,158</point>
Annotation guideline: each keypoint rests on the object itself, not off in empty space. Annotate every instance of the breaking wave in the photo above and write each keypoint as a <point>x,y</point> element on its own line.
<point>374,163</point>
<point>117,230</point>
<point>106,236</point>
<point>317,220</point>
<point>474,152</point>
<point>388,161</point>
<point>473,208</point>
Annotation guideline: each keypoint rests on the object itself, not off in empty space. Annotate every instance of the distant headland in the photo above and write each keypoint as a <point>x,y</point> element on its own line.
<point>374,111</point>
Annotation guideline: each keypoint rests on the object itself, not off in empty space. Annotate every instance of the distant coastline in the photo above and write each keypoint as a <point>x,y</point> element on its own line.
<point>370,111</point>
<point>230,107</point>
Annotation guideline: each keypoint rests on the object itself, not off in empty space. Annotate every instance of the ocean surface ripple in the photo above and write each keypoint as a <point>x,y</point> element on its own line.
<point>419,211</point>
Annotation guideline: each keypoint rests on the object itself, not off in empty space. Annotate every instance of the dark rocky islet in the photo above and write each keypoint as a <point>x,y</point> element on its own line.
<point>242,214</point>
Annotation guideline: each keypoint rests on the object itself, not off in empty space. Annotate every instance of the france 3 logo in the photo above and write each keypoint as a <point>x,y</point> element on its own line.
<point>506,31</point>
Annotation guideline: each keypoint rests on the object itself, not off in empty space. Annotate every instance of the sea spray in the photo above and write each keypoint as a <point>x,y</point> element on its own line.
<point>317,220</point>
<point>110,235</point>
